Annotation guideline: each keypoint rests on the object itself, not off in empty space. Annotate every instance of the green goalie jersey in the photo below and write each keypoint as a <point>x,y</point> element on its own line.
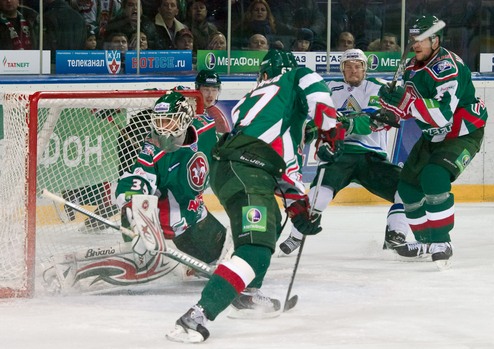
<point>445,104</point>
<point>178,178</point>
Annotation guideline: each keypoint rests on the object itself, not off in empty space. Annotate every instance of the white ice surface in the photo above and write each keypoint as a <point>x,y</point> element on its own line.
<point>352,294</point>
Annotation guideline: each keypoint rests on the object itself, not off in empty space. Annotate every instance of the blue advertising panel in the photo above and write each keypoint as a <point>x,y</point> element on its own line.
<point>88,62</point>
<point>158,61</point>
<point>115,62</point>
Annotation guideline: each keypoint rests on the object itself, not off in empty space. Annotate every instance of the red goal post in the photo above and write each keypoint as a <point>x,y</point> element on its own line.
<point>74,144</point>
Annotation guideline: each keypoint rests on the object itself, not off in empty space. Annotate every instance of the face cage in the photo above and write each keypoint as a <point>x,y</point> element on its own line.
<point>178,125</point>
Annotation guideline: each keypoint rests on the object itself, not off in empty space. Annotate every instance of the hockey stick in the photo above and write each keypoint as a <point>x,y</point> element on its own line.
<point>291,302</point>
<point>432,30</point>
<point>176,255</point>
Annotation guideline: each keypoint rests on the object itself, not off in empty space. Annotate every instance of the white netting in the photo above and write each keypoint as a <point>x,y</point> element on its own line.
<point>84,142</point>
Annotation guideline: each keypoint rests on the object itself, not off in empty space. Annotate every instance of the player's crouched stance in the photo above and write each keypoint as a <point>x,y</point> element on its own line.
<point>250,164</point>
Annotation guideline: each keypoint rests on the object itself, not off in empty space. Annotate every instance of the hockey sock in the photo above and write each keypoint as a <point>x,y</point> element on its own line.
<point>249,262</point>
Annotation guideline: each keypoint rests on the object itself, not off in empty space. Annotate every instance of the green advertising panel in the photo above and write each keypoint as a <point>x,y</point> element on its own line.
<point>239,61</point>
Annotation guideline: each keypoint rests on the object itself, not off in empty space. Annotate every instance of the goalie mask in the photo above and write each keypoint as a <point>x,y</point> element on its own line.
<point>276,62</point>
<point>353,55</point>
<point>171,117</point>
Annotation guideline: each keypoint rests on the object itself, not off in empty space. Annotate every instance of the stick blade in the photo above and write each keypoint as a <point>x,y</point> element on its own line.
<point>290,303</point>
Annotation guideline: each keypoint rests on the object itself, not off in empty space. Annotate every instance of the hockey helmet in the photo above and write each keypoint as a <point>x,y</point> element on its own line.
<point>353,54</point>
<point>207,77</point>
<point>423,23</point>
<point>276,62</point>
<point>171,116</point>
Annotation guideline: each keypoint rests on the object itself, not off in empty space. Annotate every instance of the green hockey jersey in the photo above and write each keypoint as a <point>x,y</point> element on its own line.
<point>275,113</point>
<point>445,104</point>
<point>178,178</point>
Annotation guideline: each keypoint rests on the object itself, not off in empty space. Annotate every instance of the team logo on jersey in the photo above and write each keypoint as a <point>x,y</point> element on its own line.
<point>113,59</point>
<point>442,66</point>
<point>373,62</point>
<point>254,218</point>
<point>148,150</point>
<point>210,60</point>
<point>197,171</point>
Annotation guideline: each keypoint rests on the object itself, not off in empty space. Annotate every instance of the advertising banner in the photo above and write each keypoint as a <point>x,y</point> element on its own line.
<point>116,62</point>
<point>158,61</point>
<point>248,61</point>
<point>24,62</point>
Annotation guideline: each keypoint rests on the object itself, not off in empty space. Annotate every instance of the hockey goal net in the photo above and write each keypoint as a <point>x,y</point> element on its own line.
<point>75,144</point>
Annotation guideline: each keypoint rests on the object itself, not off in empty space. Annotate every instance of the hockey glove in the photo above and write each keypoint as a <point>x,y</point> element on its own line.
<point>383,116</point>
<point>345,119</point>
<point>299,214</point>
<point>329,144</point>
<point>397,100</point>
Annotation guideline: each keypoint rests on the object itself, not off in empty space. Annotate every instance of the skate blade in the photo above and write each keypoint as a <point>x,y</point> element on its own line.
<point>252,314</point>
<point>443,264</point>
<point>178,334</point>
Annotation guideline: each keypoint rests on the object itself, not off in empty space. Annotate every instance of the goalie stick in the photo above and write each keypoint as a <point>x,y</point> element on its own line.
<point>432,30</point>
<point>291,302</point>
<point>176,255</point>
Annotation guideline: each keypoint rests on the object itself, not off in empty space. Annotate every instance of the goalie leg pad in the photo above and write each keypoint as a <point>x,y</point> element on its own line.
<point>203,240</point>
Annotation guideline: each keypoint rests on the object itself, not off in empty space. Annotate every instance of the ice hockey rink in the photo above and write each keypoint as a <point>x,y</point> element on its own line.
<point>352,295</point>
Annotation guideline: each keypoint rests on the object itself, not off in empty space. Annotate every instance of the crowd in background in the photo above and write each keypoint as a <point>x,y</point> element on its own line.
<point>297,25</point>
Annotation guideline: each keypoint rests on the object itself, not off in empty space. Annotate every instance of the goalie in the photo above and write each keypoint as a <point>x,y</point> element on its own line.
<point>173,165</point>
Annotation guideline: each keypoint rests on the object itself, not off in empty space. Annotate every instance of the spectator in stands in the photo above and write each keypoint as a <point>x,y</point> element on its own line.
<point>97,13</point>
<point>91,41</point>
<point>184,40</point>
<point>304,40</point>
<point>296,14</point>
<point>388,43</point>
<point>258,20</point>
<point>18,26</point>
<point>346,41</point>
<point>198,23</point>
<point>143,41</point>
<point>126,23</point>
<point>63,27</point>
<point>117,41</point>
<point>167,25</point>
<point>258,42</point>
<point>217,41</point>
<point>358,18</point>
<point>219,12</point>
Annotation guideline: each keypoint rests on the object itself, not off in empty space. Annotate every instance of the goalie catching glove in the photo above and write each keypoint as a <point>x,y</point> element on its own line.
<point>302,221</point>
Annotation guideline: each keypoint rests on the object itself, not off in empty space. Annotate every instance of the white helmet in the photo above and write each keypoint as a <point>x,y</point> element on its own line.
<point>353,54</point>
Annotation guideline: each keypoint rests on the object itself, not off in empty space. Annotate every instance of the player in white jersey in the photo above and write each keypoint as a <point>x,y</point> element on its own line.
<point>364,159</point>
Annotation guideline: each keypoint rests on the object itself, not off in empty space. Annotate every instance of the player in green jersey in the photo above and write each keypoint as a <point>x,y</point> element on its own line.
<point>258,159</point>
<point>364,158</point>
<point>439,94</point>
<point>173,164</point>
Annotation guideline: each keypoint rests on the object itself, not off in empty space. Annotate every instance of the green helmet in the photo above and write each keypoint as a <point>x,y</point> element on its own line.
<point>208,77</point>
<point>171,116</point>
<point>277,62</point>
<point>423,23</point>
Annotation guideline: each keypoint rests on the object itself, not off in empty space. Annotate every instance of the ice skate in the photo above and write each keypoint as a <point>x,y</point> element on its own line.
<point>412,249</point>
<point>190,328</point>
<point>393,239</point>
<point>441,252</point>
<point>252,304</point>
<point>290,245</point>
